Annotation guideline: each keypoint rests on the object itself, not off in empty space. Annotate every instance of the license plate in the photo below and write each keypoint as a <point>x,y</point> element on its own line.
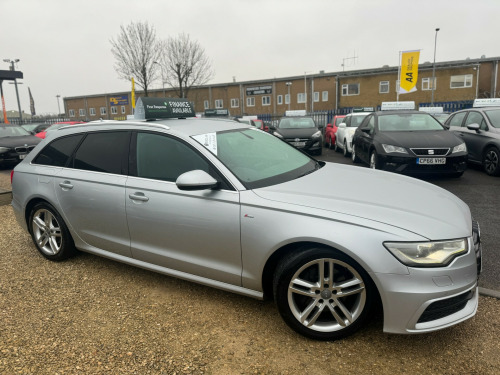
<point>298,144</point>
<point>431,161</point>
<point>22,156</point>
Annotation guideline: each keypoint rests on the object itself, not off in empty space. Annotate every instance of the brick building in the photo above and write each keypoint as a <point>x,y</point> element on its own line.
<point>457,84</point>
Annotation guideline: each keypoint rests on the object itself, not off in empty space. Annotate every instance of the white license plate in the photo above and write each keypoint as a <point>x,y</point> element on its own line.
<point>431,161</point>
<point>22,156</point>
<point>298,144</point>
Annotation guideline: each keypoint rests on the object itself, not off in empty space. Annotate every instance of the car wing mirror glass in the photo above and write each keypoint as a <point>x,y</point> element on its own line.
<point>196,180</point>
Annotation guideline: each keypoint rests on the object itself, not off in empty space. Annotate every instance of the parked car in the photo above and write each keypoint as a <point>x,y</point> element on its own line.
<point>408,142</point>
<point>301,132</point>
<point>345,131</point>
<point>259,124</point>
<point>191,198</point>
<point>480,130</point>
<point>56,126</point>
<point>35,127</point>
<point>331,130</point>
<point>15,143</point>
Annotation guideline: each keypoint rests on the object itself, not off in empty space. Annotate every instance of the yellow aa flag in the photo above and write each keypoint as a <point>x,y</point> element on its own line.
<point>132,95</point>
<point>409,71</point>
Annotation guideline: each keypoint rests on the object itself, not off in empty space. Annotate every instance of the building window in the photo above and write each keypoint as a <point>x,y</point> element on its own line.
<point>71,113</point>
<point>280,99</point>
<point>316,96</point>
<point>301,97</point>
<point>206,105</point>
<point>427,83</point>
<point>350,89</point>
<point>219,103</point>
<point>92,111</point>
<point>287,99</point>
<point>235,103</point>
<point>461,81</point>
<point>325,96</point>
<point>123,110</point>
<point>81,112</point>
<point>266,100</point>
<point>114,110</point>
<point>251,102</point>
<point>103,111</point>
<point>383,87</point>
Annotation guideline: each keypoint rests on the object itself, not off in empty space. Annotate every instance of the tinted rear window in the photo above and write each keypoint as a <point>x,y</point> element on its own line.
<point>58,152</point>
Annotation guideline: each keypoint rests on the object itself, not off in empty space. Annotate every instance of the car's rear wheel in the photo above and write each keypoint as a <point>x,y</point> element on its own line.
<point>346,154</point>
<point>49,232</point>
<point>354,158</point>
<point>491,161</point>
<point>322,293</point>
<point>336,148</point>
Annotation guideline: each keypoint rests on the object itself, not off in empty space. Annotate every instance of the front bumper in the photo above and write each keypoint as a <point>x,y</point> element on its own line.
<point>430,299</point>
<point>306,144</point>
<point>408,164</point>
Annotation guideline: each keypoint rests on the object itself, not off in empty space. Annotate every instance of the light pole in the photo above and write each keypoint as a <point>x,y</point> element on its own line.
<point>288,84</point>
<point>15,83</point>
<point>162,79</point>
<point>434,69</point>
<point>58,105</point>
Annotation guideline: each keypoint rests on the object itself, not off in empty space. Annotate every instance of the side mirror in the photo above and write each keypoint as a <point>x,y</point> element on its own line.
<point>474,127</point>
<point>365,130</point>
<point>342,125</point>
<point>329,126</point>
<point>196,180</point>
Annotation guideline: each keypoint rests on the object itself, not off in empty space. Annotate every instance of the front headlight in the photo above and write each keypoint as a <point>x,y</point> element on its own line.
<point>390,148</point>
<point>277,134</point>
<point>460,148</point>
<point>427,254</point>
<point>316,135</point>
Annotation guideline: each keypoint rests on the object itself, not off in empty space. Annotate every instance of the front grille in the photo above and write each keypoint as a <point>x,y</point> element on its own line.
<point>445,307</point>
<point>476,239</point>
<point>24,149</point>
<point>430,151</point>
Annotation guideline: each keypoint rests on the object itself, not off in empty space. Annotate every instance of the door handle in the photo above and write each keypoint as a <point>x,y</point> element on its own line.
<point>138,197</point>
<point>66,185</point>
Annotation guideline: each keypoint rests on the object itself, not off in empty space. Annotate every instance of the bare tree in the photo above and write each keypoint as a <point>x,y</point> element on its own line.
<point>185,64</point>
<point>136,50</point>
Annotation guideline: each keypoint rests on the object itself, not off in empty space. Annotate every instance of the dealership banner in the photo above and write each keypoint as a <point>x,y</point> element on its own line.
<point>118,100</point>
<point>409,71</point>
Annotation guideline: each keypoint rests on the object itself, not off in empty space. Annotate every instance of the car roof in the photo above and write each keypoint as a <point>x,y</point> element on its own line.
<point>404,111</point>
<point>186,127</point>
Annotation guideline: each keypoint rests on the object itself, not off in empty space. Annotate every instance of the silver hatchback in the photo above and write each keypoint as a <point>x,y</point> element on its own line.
<point>222,204</point>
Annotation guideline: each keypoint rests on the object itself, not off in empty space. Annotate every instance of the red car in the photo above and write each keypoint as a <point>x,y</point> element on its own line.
<point>259,124</point>
<point>55,126</point>
<point>331,129</point>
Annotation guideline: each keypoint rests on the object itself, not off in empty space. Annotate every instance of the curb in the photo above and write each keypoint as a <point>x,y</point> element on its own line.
<point>489,293</point>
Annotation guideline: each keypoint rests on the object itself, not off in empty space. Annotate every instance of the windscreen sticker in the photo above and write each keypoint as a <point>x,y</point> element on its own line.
<point>208,140</point>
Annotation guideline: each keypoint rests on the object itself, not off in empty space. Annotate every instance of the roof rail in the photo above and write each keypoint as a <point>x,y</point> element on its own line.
<point>117,122</point>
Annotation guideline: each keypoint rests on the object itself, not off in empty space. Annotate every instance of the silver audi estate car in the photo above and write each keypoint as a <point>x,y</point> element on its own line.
<point>223,204</point>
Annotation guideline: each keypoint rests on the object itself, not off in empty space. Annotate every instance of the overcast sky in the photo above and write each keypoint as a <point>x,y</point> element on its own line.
<point>64,45</point>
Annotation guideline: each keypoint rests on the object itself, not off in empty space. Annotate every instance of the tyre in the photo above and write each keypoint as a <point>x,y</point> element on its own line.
<point>336,148</point>
<point>491,161</point>
<point>49,233</point>
<point>354,158</point>
<point>330,143</point>
<point>346,154</point>
<point>322,293</point>
<point>374,160</point>
<point>320,151</point>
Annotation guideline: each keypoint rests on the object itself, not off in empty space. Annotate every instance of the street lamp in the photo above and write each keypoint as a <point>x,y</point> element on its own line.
<point>58,105</point>
<point>162,79</point>
<point>12,62</point>
<point>288,84</point>
<point>434,69</point>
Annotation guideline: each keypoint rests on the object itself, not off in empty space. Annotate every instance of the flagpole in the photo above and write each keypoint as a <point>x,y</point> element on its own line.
<point>399,78</point>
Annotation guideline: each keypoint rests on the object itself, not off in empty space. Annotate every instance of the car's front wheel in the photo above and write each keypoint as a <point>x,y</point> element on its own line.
<point>354,158</point>
<point>374,160</point>
<point>49,232</point>
<point>330,143</point>
<point>491,161</point>
<point>322,293</point>
<point>346,153</point>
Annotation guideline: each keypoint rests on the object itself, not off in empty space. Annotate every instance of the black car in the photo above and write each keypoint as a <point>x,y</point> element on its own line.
<point>409,142</point>
<point>480,130</point>
<point>15,143</point>
<point>300,132</point>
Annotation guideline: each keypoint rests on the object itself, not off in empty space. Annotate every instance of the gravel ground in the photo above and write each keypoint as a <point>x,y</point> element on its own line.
<point>90,315</point>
